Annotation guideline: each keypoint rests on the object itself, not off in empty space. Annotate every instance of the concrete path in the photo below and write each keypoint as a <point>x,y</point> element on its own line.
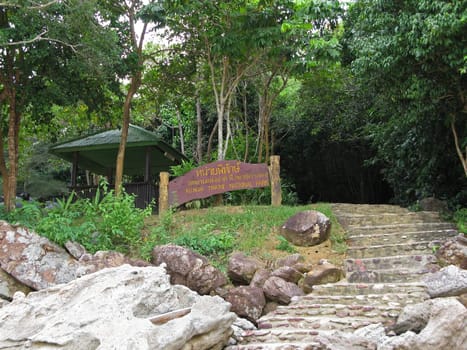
<point>390,250</point>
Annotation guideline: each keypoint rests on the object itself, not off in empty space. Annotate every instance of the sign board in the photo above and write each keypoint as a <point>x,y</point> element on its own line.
<point>215,178</point>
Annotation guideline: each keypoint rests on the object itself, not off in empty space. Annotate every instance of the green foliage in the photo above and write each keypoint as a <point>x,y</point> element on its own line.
<point>28,214</point>
<point>410,56</point>
<point>460,217</point>
<point>182,169</point>
<point>106,222</point>
<point>204,242</point>
<point>285,245</point>
<point>262,196</point>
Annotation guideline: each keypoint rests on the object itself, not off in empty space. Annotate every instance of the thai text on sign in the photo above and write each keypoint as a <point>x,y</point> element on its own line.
<point>215,178</point>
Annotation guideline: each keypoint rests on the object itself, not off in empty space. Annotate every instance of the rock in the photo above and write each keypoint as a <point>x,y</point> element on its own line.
<point>321,274</point>
<point>75,249</point>
<point>247,302</point>
<point>413,318</point>
<point>260,276</point>
<point>289,260</point>
<point>9,286</point>
<point>277,289</point>
<point>296,261</point>
<point>307,228</point>
<point>239,326</point>
<point>188,268</point>
<point>449,281</point>
<point>113,309</point>
<point>38,263</point>
<point>34,260</point>
<point>288,273</point>
<point>433,204</point>
<point>453,252</point>
<point>445,320</point>
<point>90,263</point>
<point>241,268</point>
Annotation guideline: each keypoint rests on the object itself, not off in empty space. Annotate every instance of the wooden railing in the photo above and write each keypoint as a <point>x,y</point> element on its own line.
<point>144,192</point>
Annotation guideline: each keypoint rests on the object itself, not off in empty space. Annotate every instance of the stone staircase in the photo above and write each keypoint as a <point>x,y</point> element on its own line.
<point>390,249</point>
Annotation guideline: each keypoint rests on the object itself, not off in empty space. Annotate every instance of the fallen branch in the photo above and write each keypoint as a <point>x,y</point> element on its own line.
<point>168,316</point>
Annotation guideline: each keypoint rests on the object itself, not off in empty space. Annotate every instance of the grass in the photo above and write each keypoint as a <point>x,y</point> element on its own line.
<point>216,232</point>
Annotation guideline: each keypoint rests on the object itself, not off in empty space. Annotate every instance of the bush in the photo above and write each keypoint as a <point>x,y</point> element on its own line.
<point>460,216</point>
<point>107,222</point>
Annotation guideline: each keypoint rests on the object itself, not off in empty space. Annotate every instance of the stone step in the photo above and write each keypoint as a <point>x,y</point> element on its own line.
<point>298,312</point>
<point>287,336</point>
<point>328,322</point>
<point>398,228</point>
<point>344,208</point>
<point>346,288</point>
<point>388,276</point>
<point>374,251</point>
<point>364,299</point>
<point>399,237</point>
<point>278,346</point>
<point>406,262</point>
<point>387,218</point>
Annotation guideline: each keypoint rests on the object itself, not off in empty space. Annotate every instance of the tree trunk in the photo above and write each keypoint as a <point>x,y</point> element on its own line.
<point>460,154</point>
<point>211,137</point>
<point>199,131</point>
<point>180,131</point>
<point>134,84</point>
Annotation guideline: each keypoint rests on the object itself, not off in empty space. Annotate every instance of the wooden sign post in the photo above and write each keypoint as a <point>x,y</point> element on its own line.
<point>219,177</point>
<point>163,192</point>
<point>274,173</point>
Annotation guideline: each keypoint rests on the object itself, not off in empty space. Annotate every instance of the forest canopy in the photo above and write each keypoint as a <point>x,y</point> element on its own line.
<point>365,101</point>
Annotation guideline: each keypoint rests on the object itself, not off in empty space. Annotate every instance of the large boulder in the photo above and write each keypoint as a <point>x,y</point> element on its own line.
<point>260,276</point>
<point>241,268</point>
<point>188,268</point>
<point>34,260</point>
<point>454,252</point>
<point>9,286</point>
<point>433,204</point>
<point>278,289</point>
<point>288,273</point>
<point>449,281</point>
<point>434,324</point>
<point>307,228</point>
<point>118,308</point>
<point>247,302</point>
<point>39,263</point>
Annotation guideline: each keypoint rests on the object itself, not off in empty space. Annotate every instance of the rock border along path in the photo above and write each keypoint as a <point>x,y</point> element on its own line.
<point>390,250</point>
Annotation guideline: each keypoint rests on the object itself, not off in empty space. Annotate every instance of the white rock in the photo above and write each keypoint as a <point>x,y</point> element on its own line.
<point>449,281</point>
<point>111,309</point>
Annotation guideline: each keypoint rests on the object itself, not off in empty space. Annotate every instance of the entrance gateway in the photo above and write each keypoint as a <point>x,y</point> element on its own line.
<point>219,177</point>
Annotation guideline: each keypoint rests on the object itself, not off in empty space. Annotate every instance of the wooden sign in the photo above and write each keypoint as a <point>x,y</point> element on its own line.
<point>215,178</point>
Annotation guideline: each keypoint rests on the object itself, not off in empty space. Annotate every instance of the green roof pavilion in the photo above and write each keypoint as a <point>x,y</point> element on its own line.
<point>145,154</point>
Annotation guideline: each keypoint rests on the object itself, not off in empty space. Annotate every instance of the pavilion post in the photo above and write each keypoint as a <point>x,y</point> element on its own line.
<point>74,169</point>
<point>163,192</point>
<point>147,169</point>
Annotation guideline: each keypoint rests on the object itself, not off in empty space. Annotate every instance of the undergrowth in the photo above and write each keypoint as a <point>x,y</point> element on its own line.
<point>107,222</point>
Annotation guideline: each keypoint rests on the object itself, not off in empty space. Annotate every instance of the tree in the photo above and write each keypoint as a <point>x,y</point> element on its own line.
<point>230,37</point>
<point>298,36</point>
<point>412,55</point>
<point>50,52</point>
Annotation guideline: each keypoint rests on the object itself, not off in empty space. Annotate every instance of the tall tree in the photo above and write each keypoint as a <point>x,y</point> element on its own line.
<point>229,37</point>
<point>50,52</point>
<point>412,55</point>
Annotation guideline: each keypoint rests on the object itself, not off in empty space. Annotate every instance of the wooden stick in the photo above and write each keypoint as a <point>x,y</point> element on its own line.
<point>168,316</point>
